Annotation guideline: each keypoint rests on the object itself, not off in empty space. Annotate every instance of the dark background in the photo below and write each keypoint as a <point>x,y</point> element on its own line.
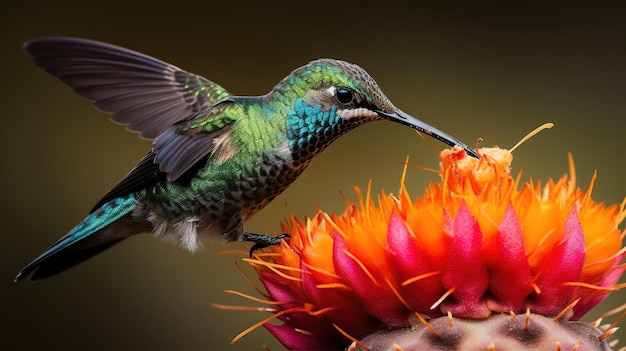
<point>486,70</point>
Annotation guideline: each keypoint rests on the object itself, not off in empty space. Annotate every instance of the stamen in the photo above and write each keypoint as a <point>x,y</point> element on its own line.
<point>536,288</point>
<point>352,338</point>
<point>427,142</point>
<point>362,265</point>
<point>518,179</point>
<point>450,320</point>
<point>532,134</point>
<point>307,308</point>
<point>302,331</point>
<point>403,190</point>
<point>619,266</point>
<point>252,298</point>
<point>427,325</point>
<point>254,326</point>
<point>608,259</point>
<point>368,202</point>
<point>403,176</point>
<point>620,252</point>
<point>397,293</point>
<point>359,196</point>
<point>591,286</point>
<point>273,267</point>
<point>546,237</point>
<point>321,271</point>
<point>242,308</point>
<point>491,347</point>
<point>622,214</point>
<point>566,309</point>
<point>420,277</point>
<point>333,286</point>
<point>270,254</point>
<point>333,224</point>
<point>571,186</point>
<point>478,141</point>
<point>397,347</point>
<point>423,168</point>
<point>527,320</point>
<point>444,186</point>
<point>344,198</point>
<point>249,281</point>
<point>603,239</point>
<point>443,297</point>
<point>596,323</point>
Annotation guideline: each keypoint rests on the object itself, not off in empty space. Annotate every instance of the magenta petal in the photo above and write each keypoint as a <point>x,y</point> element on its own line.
<point>564,265</point>
<point>510,277</point>
<point>407,261</point>
<point>466,272</point>
<point>292,339</point>
<point>378,299</point>
<point>347,312</point>
<point>278,288</point>
<point>588,301</point>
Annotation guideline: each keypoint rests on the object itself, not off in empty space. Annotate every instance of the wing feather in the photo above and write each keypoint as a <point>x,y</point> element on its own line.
<point>144,93</point>
<point>189,118</point>
<point>180,149</point>
<point>205,135</point>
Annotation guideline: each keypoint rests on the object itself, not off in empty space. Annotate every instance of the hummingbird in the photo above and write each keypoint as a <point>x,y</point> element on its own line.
<point>217,158</point>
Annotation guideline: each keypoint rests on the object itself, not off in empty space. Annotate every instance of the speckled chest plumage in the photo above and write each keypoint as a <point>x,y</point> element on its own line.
<point>219,198</point>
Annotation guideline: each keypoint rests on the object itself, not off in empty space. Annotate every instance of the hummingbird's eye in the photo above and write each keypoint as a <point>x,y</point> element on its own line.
<point>344,95</point>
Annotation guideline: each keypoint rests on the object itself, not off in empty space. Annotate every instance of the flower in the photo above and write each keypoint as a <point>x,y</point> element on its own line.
<point>475,244</point>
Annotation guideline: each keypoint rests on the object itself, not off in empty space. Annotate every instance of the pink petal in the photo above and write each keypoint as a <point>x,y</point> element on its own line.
<point>564,265</point>
<point>347,312</point>
<point>466,272</point>
<point>278,288</point>
<point>378,299</point>
<point>510,277</point>
<point>407,261</point>
<point>587,303</point>
<point>282,291</point>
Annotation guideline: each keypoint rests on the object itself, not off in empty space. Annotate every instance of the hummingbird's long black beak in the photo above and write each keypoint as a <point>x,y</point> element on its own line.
<point>408,120</point>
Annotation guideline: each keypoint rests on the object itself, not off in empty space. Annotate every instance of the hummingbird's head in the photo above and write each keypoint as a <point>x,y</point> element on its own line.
<point>330,97</point>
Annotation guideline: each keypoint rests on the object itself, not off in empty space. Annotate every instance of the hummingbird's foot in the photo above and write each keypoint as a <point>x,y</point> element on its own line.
<point>260,240</point>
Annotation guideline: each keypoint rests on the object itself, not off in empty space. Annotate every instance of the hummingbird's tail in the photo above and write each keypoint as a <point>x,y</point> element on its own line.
<point>100,230</point>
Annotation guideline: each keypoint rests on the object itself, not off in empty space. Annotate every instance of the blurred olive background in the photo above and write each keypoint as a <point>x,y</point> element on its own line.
<point>474,69</point>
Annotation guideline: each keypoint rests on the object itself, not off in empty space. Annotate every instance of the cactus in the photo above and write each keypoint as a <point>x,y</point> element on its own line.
<point>498,332</point>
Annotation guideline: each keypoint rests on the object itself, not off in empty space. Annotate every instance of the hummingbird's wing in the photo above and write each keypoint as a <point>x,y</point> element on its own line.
<point>143,93</point>
<point>189,144</point>
<point>205,135</point>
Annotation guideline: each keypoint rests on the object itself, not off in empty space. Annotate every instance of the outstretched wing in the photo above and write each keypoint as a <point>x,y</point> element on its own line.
<point>189,144</point>
<point>143,93</point>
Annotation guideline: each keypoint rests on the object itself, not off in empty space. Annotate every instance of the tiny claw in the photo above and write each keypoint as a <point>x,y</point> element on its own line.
<point>260,240</point>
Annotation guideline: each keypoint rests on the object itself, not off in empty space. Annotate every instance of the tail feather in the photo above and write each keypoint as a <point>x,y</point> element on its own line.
<point>94,234</point>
